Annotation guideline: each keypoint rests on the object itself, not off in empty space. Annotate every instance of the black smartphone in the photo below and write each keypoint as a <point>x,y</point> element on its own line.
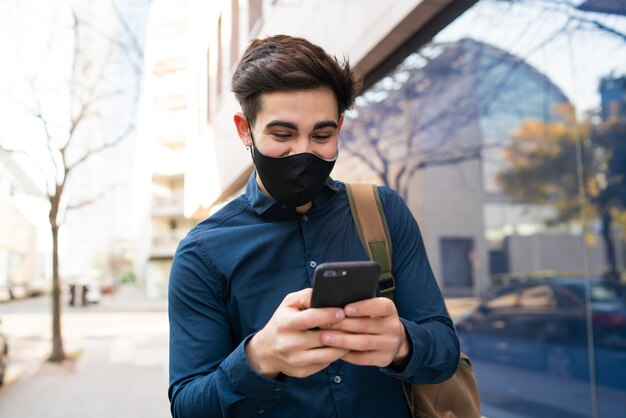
<point>337,284</point>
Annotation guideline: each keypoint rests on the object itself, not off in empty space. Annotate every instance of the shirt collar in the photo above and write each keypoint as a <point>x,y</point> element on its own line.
<point>261,202</point>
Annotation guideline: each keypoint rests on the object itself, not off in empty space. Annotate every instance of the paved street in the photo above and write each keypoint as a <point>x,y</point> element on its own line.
<point>119,368</point>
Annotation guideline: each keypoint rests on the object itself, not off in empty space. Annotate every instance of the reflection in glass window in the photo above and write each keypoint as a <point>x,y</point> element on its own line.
<point>540,296</point>
<point>505,301</point>
<point>508,132</point>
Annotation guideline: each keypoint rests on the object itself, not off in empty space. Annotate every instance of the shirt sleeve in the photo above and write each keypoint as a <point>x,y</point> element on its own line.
<point>434,344</point>
<point>209,374</point>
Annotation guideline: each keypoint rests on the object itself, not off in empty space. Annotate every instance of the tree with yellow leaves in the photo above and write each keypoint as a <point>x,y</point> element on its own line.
<point>568,163</point>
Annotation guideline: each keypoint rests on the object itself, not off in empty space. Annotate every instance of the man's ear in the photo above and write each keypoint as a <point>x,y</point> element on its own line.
<point>339,124</point>
<point>243,129</point>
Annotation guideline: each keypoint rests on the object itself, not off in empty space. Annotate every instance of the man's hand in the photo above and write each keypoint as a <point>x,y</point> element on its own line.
<point>372,332</point>
<point>289,344</point>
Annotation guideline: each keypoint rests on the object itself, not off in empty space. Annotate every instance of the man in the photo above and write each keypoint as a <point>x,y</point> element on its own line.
<point>243,339</point>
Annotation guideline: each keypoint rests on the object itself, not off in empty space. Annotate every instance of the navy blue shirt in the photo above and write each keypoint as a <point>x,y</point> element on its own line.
<point>233,270</point>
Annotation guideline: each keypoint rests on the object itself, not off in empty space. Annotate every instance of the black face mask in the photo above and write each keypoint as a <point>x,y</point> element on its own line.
<point>293,180</point>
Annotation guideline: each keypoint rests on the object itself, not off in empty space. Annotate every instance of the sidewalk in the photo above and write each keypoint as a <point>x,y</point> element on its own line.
<point>120,367</point>
<point>119,370</point>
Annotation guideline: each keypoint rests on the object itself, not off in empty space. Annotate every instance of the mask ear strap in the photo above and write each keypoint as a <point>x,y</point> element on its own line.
<point>251,148</point>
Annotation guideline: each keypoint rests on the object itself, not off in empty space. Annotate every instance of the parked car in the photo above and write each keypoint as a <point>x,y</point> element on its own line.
<point>5,293</point>
<point>4,356</point>
<point>542,325</point>
<point>40,287</point>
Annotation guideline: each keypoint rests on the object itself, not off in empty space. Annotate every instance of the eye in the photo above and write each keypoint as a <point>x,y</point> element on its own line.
<point>322,137</point>
<point>281,136</point>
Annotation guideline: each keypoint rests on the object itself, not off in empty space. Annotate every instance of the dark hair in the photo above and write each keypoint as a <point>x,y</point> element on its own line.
<point>286,63</point>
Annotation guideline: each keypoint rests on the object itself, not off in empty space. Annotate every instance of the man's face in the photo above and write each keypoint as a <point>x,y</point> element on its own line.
<point>295,122</point>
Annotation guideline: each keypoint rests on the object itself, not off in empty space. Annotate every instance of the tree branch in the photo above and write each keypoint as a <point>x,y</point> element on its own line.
<point>363,159</point>
<point>115,42</point>
<point>133,38</point>
<point>85,107</point>
<point>32,161</point>
<point>70,167</point>
<point>89,201</point>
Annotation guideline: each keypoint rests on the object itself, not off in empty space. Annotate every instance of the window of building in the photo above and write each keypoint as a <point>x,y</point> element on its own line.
<point>505,136</point>
<point>255,15</point>
<point>220,63</point>
<point>208,85</point>
<point>234,32</point>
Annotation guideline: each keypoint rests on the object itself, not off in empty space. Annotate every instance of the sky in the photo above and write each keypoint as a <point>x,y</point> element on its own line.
<point>575,59</point>
<point>37,44</point>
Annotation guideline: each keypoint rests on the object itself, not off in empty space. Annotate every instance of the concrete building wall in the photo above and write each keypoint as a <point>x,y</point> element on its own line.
<point>23,247</point>
<point>558,252</point>
<point>365,32</point>
<point>211,38</point>
<point>18,247</point>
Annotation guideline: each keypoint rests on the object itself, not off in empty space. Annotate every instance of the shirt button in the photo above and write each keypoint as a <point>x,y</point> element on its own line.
<point>305,218</point>
<point>313,264</point>
<point>337,379</point>
<point>282,207</point>
<point>261,411</point>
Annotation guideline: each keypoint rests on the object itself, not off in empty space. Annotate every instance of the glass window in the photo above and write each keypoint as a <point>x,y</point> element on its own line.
<point>540,296</point>
<point>505,135</point>
<point>505,301</point>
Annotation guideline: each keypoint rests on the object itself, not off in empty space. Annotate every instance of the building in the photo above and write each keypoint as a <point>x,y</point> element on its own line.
<point>172,122</point>
<point>445,120</point>
<point>613,98</point>
<point>459,78</point>
<point>20,257</point>
<point>187,107</point>
<point>96,240</point>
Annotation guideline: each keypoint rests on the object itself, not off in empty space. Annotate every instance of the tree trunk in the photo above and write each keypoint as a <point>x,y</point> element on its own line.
<point>58,354</point>
<point>609,248</point>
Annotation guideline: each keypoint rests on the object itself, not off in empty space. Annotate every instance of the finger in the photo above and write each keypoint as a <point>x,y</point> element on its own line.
<point>323,355</point>
<point>306,358</point>
<point>316,318</point>
<point>296,341</point>
<point>300,300</point>
<point>371,307</point>
<point>360,325</point>
<point>356,342</point>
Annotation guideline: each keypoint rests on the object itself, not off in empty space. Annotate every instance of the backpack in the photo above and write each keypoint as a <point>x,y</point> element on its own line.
<point>456,397</point>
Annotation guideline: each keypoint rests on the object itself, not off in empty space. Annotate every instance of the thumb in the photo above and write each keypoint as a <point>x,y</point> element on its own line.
<point>300,300</point>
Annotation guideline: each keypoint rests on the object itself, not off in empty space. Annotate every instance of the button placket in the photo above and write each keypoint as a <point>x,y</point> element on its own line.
<point>307,227</point>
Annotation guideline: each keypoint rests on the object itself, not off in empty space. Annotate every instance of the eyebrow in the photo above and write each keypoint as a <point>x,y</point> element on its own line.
<point>284,124</point>
<point>289,125</point>
<point>325,124</point>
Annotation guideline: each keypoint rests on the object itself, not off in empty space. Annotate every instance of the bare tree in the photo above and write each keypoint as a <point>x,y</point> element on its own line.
<point>100,59</point>
<point>427,111</point>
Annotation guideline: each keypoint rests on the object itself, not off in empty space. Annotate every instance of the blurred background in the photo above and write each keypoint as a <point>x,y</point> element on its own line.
<point>502,123</point>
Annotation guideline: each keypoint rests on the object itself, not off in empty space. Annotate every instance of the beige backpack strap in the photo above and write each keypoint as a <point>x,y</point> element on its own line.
<point>371,224</point>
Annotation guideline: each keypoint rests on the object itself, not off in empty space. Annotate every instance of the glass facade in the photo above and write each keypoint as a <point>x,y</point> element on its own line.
<point>506,135</point>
